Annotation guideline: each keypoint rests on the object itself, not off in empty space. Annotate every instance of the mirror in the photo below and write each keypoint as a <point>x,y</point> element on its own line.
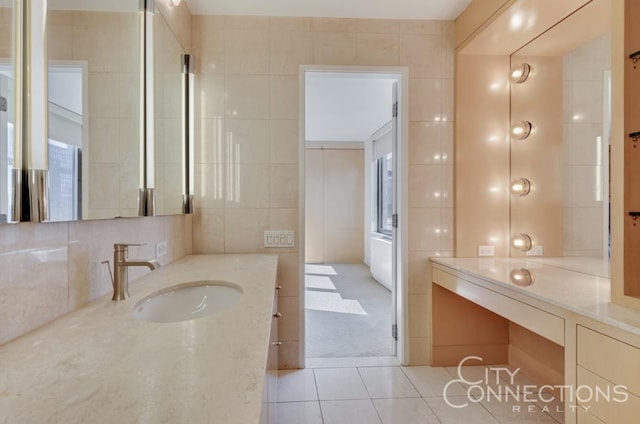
<point>94,108</point>
<point>169,118</point>
<point>559,172</point>
<point>6,110</point>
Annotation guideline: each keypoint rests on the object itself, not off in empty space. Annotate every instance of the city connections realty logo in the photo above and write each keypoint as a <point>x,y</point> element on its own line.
<point>500,384</point>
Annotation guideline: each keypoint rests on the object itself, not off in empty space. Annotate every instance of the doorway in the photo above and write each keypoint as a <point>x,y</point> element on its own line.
<point>352,267</point>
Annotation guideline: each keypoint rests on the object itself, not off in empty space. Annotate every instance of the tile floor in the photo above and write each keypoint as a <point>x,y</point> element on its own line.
<point>394,395</point>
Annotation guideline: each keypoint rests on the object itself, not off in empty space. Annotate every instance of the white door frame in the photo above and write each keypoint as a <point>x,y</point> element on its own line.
<point>402,74</point>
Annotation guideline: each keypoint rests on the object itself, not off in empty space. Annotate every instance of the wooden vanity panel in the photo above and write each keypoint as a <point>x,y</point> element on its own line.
<point>586,418</point>
<point>610,412</point>
<point>462,328</point>
<point>610,358</point>
<point>538,358</point>
<point>631,281</point>
<point>540,322</point>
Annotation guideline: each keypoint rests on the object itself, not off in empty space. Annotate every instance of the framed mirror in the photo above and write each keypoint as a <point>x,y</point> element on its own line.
<point>94,50</point>
<point>560,117</point>
<point>168,94</point>
<point>7,104</point>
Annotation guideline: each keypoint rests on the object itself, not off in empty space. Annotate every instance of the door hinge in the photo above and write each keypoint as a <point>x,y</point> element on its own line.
<point>394,110</point>
<point>394,331</point>
<point>3,104</point>
<point>394,220</point>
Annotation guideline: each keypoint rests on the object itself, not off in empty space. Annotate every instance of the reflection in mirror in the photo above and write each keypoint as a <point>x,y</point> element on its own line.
<point>168,108</point>
<point>567,100</point>
<point>94,79</point>
<point>6,111</point>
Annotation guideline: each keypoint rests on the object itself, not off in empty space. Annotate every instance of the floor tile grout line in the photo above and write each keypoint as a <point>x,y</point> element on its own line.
<point>315,383</point>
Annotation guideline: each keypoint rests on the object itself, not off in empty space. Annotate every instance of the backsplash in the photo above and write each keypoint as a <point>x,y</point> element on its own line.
<point>51,269</point>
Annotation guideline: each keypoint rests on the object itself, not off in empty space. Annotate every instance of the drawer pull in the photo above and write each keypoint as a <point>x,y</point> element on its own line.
<point>277,315</point>
<point>278,287</point>
<point>276,343</point>
<point>635,56</point>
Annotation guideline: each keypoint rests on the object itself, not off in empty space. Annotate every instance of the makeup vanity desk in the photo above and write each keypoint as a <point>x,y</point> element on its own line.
<point>561,329</point>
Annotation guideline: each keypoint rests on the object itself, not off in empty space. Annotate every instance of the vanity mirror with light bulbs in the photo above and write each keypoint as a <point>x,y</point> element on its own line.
<point>560,95</point>
<point>532,164</point>
<point>115,114</point>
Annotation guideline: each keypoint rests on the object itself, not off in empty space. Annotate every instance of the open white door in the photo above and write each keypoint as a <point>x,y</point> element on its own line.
<point>395,235</point>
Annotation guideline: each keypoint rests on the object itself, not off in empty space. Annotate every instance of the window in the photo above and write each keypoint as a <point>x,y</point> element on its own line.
<point>385,195</point>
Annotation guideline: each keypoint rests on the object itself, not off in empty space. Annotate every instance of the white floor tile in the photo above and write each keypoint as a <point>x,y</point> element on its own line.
<point>472,413</point>
<point>404,411</point>
<point>295,413</point>
<point>510,411</point>
<point>349,412</point>
<point>340,383</point>
<point>431,382</point>
<point>387,383</point>
<point>355,361</point>
<point>296,386</point>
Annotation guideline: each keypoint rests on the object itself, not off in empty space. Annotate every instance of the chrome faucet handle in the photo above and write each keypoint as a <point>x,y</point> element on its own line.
<point>124,246</point>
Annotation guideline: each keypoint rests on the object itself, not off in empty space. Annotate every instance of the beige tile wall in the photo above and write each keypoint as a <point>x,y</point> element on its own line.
<point>47,270</point>
<point>583,71</point>
<point>109,42</point>
<point>168,118</point>
<point>247,140</point>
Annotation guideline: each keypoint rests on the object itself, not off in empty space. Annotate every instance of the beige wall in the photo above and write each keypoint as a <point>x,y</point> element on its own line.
<point>51,269</point>
<point>482,154</point>
<point>109,42</point>
<point>168,119</point>
<point>334,206</point>
<point>584,210</point>
<point>247,138</point>
<point>179,20</point>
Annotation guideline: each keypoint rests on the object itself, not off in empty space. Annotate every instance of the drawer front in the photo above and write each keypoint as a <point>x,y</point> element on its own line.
<point>604,401</point>
<point>587,418</point>
<point>609,358</point>
<point>547,325</point>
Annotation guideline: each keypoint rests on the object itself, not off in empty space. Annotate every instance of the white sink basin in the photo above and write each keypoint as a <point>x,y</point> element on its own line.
<point>187,301</point>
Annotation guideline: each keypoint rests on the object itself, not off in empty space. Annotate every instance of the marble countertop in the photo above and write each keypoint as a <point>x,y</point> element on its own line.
<point>101,365</point>
<point>566,284</point>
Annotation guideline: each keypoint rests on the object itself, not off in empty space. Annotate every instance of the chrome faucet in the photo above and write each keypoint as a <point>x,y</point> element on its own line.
<point>120,265</point>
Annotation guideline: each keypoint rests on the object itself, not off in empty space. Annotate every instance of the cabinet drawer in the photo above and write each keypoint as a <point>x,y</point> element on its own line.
<point>609,358</point>
<point>587,418</point>
<point>603,401</point>
<point>540,322</point>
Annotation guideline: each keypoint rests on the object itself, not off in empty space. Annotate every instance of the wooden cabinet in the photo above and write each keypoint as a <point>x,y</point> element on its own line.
<point>608,379</point>
<point>270,388</point>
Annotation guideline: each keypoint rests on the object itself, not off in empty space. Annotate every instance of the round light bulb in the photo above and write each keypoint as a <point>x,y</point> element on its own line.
<point>522,242</point>
<point>521,187</point>
<point>522,277</point>
<point>520,73</point>
<point>521,130</point>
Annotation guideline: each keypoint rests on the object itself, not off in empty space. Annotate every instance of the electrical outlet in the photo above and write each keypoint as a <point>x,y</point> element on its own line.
<point>161,249</point>
<point>486,250</point>
<point>536,251</point>
<point>280,238</point>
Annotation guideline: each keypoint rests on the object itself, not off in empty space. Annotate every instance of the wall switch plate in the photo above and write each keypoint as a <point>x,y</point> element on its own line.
<point>536,251</point>
<point>161,249</point>
<point>279,238</point>
<point>486,250</point>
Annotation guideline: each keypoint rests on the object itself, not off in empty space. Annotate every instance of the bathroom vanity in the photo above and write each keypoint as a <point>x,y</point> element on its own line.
<point>559,328</point>
<point>100,364</point>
